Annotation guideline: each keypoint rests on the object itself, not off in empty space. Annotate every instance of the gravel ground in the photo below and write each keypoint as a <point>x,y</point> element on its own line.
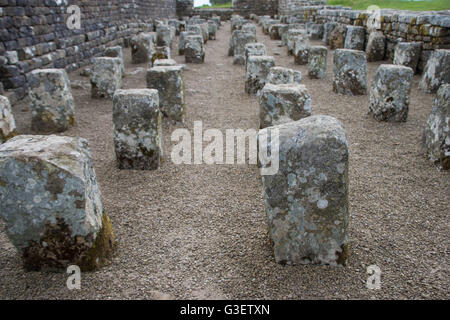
<point>199,231</point>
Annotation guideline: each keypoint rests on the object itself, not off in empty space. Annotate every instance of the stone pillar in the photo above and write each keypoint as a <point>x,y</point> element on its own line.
<point>257,70</point>
<point>376,46</point>
<point>194,51</point>
<point>317,62</point>
<point>254,49</point>
<point>337,37</point>
<point>408,54</point>
<point>281,103</point>
<point>316,31</point>
<point>242,39</point>
<point>52,106</point>
<point>51,203</point>
<point>276,30</point>
<point>327,30</point>
<point>137,129</point>
<point>106,77</point>
<point>212,30</point>
<point>169,81</point>
<point>437,132</point>
<point>280,75</point>
<point>350,72</point>
<point>355,38</point>
<point>301,50</point>
<point>142,47</point>
<point>7,123</point>
<point>307,198</point>
<point>164,36</point>
<point>292,36</point>
<point>116,52</point>
<point>389,93</point>
<point>437,71</point>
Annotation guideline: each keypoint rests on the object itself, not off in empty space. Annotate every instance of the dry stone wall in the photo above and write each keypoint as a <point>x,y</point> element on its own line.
<point>34,34</point>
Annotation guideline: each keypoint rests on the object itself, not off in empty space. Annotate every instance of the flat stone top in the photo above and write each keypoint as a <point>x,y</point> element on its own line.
<point>135,92</point>
<point>318,48</point>
<point>46,71</point>
<point>310,129</point>
<point>343,51</point>
<point>397,67</point>
<point>4,100</point>
<point>261,58</point>
<point>284,88</point>
<point>255,45</point>
<point>165,62</point>
<point>67,153</point>
<point>297,31</point>
<point>165,68</point>
<point>194,36</point>
<point>106,59</point>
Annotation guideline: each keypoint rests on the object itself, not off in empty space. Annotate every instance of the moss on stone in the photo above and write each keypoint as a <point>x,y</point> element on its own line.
<point>343,255</point>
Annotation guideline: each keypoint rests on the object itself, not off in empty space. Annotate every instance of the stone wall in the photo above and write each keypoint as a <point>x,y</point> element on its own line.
<point>34,34</point>
<point>258,7</point>
<point>184,8</point>
<point>291,7</point>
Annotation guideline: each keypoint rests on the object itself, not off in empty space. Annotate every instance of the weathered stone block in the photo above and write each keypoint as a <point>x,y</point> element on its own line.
<point>160,53</point>
<point>142,47</point>
<point>194,51</point>
<point>116,52</point>
<point>52,106</point>
<point>257,70</point>
<point>254,49</point>
<point>242,39</point>
<point>376,46</point>
<point>51,203</point>
<point>280,75</point>
<point>408,54</point>
<point>317,62</point>
<point>212,30</point>
<point>355,38</point>
<point>337,37</point>
<point>164,62</point>
<point>249,28</point>
<point>437,71</point>
<point>106,77</point>
<point>301,50</point>
<point>292,36</point>
<point>281,103</point>
<point>164,36</point>
<point>169,81</point>
<point>315,31</point>
<point>327,30</point>
<point>437,132</point>
<point>389,93</point>
<point>7,123</point>
<point>137,129</point>
<point>350,72</point>
<point>276,30</point>
<point>307,199</point>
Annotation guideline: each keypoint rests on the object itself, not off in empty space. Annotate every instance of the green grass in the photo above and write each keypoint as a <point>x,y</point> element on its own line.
<point>426,5</point>
<point>226,5</point>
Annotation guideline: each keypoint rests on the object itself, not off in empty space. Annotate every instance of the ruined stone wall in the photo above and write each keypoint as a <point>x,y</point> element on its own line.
<point>34,34</point>
<point>184,8</point>
<point>258,7</point>
<point>430,28</point>
<point>292,7</point>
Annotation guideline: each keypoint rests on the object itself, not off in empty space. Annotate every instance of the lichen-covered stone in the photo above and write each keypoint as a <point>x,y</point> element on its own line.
<point>307,199</point>
<point>355,38</point>
<point>52,105</point>
<point>169,81</point>
<point>254,49</point>
<point>137,129</point>
<point>106,77</point>
<point>328,28</point>
<point>163,36</point>
<point>437,71</point>
<point>350,72</point>
<point>437,130</point>
<point>164,62</point>
<point>194,50</point>
<point>389,93</point>
<point>116,52</point>
<point>7,123</point>
<point>182,42</point>
<point>276,30</point>
<point>160,53</point>
<point>257,70</point>
<point>242,39</point>
<point>212,30</point>
<point>337,37</point>
<point>176,24</point>
<point>51,203</point>
<point>408,54</point>
<point>142,47</point>
<point>376,46</point>
<point>315,31</point>
<point>292,36</point>
<point>301,50</point>
<point>249,28</point>
<point>281,103</point>
<point>317,62</point>
<point>195,29</point>
<point>205,31</point>
<point>280,75</point>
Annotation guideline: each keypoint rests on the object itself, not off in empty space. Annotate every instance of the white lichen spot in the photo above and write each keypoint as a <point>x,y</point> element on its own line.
<point>37,199</point>
<point>322,204</point>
